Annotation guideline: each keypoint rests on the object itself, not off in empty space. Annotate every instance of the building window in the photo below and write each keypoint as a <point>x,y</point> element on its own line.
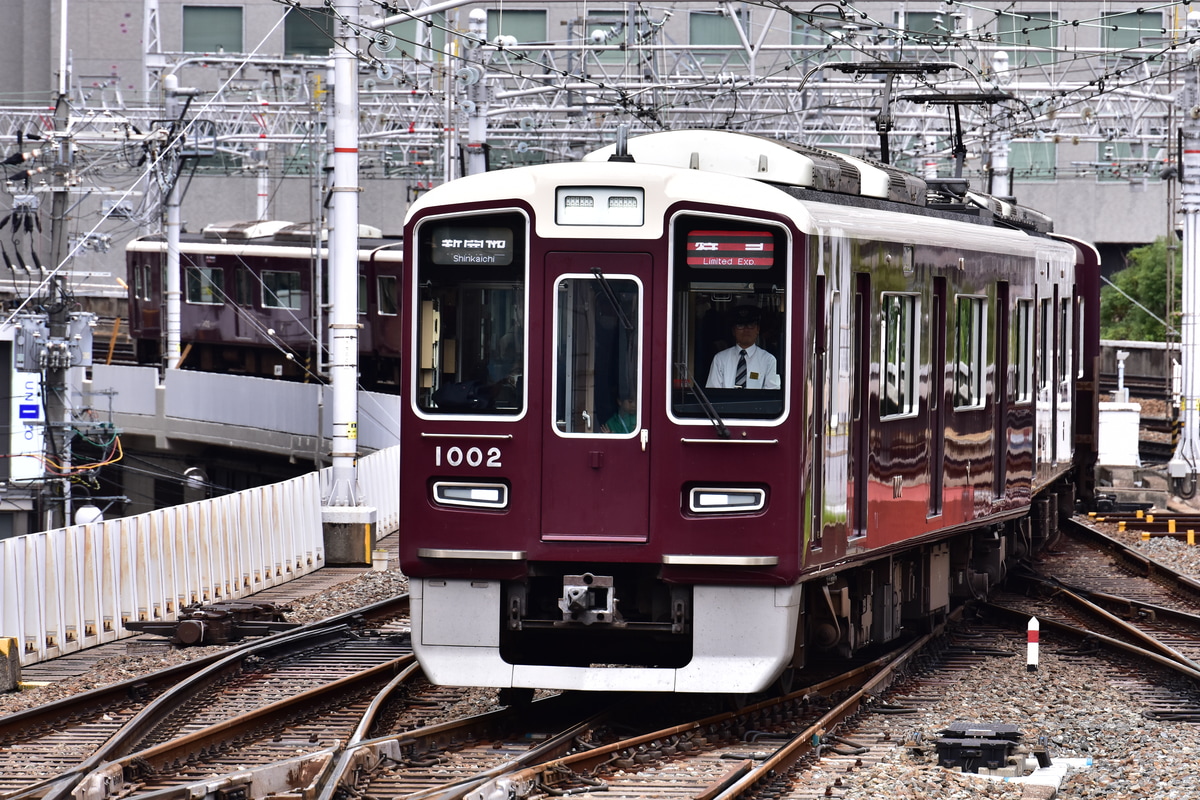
<point>968,356</point>
<point>1033,161</point>
<point>925,27</point>
<point>897,391</point>
<point>1125,162</point>
<point>423,39</point>
<point>204,285</point>
<point>608,28</point>
<point>715,28</point>
<point>815,32</point>
<point>1130,30</point>
<point>1035,34</point>
<point>308,31</point>
<point>526,27</point>
<point>212,29</point>
<point>281,289</point>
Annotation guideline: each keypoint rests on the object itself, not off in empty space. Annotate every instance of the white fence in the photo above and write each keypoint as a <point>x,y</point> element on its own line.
<point>74,587</point>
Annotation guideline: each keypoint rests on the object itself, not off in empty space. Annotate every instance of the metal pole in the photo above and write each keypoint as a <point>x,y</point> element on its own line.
<point>348,525</point>
<point>476,58</point>
<point>174,223</point>
<point>1183,465</point>
<point>343,262</point>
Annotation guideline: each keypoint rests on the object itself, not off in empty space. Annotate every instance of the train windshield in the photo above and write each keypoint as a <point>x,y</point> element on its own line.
<point>728,333</point>
<point>471,315</point>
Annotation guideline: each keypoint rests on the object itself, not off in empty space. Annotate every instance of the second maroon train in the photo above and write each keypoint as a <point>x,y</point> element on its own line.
<point>252,294</point>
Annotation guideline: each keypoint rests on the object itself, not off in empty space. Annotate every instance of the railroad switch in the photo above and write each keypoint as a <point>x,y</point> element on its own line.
<point>219,623</point>
<point>987,749</point>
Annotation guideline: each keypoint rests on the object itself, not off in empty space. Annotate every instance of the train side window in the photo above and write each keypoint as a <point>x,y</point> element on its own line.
<point>898,362</point>
<point>596,351</point>
<point>1080,336</point>
<point>205,286</point>
<point>1065,354</point>
<point>970,326</point>
<point>362,294</point>
<point>1023,332</point>
<point>280,289</point>
<point>730,294</point>
<point>1045,353</point>
<point>243,286</point>
<point>386,288</point>
<point>470,347</point>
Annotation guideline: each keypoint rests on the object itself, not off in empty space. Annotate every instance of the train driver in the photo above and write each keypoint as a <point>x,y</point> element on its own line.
<point>745,365</point>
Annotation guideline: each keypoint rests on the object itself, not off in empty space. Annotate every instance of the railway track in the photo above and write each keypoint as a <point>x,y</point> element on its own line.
<point>326,710</point>
<point>1096,589</point>
<point>45,749</point>
<point>374,728</point>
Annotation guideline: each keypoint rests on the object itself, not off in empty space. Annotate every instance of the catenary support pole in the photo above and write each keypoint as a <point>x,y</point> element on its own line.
<point>1184,464</point>
<point>348,525</point>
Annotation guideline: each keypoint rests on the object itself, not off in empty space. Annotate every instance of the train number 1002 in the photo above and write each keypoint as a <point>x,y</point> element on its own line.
<point>473,456</point>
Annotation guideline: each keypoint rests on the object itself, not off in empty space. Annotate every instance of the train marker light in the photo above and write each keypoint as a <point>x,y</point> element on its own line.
<point>472,495</point>
<point>716,500</point>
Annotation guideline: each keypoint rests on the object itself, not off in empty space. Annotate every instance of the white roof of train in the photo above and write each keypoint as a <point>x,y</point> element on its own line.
<point>730,170</point>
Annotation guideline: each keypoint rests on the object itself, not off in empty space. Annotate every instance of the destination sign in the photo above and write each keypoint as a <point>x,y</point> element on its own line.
<point>457,245</point>
<point>736,249</point>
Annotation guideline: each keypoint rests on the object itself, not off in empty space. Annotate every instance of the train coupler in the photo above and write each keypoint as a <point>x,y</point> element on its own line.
<point>219,623</point>
<point>588,599</point>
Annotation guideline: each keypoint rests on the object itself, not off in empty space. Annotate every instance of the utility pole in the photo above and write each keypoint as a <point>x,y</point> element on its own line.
<point>58,416</point>
<point>1185,464</point>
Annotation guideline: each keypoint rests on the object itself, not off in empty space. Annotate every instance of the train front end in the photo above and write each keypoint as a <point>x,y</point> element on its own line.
<point>593,497</point>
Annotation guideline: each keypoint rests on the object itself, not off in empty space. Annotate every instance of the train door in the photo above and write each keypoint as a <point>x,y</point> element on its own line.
<point>1000,406</point>
<point>937,399</point>
<point>596,464</point>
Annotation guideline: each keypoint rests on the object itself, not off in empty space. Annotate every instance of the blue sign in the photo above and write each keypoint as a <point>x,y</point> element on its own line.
<point>29,411</point>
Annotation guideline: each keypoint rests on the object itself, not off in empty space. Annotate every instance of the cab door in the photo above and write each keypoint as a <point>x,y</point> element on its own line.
<point>596,460</point>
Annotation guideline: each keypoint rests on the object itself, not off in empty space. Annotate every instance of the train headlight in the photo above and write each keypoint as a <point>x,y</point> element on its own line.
<point>470,495</point>
<point>722,500</point>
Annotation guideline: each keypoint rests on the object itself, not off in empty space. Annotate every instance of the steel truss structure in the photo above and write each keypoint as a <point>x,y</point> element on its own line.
<point>554,101</point>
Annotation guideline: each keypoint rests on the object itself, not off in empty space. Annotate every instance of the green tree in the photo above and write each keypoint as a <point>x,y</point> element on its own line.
<point>1143,281</point>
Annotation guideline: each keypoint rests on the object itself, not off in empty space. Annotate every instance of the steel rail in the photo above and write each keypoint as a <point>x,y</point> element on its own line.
<point>164,684</point>
<point>521,783</point>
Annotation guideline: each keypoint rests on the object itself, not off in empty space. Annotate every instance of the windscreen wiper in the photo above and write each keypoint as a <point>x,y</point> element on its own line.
<point>709,410</point>
<point>612,297</point>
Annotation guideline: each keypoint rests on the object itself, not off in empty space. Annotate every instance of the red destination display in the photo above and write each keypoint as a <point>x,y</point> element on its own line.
<point>746,249</point>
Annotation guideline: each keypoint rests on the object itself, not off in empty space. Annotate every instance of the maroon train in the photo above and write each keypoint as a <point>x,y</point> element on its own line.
<point>584,507</point>
<point>248,301</point>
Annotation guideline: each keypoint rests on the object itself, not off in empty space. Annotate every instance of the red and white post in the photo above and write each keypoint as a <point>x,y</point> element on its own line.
<point>1031,651</point>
